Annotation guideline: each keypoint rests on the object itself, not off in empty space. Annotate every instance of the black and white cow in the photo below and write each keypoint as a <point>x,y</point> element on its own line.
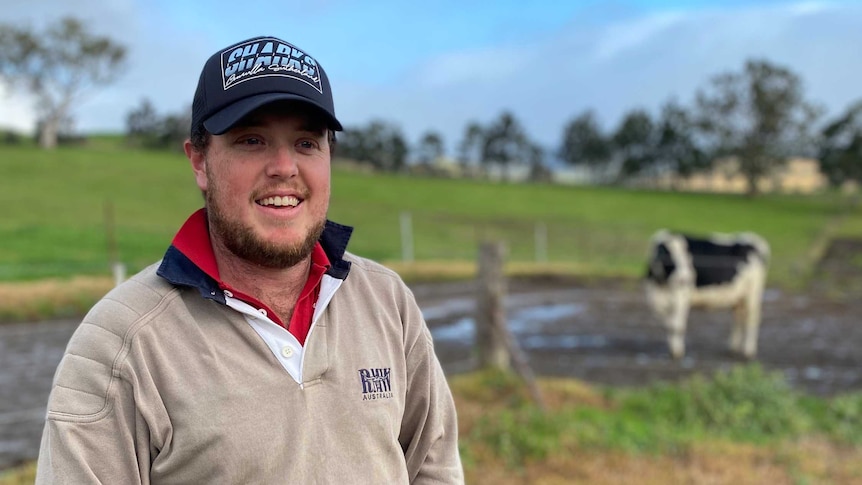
<point>722,271</point>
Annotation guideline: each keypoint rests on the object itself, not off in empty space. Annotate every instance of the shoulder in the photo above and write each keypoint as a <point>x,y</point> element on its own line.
<point>89,366</point>
<point>366,269</point>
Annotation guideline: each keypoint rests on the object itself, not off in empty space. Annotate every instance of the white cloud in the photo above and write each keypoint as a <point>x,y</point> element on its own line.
<point>545,81</point>
<point>16,111</point>
<point>614,68</point>
<point>629,35</point>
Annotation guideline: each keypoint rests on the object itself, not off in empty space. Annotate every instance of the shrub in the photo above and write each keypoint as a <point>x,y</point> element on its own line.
<point>745,402</point>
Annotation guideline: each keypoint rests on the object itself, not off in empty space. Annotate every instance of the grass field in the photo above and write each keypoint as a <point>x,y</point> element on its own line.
<point>59,201</point>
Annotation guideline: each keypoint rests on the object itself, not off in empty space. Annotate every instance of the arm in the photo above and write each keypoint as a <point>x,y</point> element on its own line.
<point>429,430</point>
<point>93,431</point>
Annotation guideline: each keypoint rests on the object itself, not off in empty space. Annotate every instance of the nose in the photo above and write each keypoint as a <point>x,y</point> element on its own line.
<point>283,163</point>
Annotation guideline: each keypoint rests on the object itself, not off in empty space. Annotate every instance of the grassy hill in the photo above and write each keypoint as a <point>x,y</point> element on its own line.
<point>56,225</point>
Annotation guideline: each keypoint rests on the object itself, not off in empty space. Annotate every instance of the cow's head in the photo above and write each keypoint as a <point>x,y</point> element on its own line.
<point>661,264</point>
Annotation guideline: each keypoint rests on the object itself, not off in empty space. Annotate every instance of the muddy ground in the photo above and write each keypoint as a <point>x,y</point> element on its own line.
<point>603,333</point>
<point>597,331</point>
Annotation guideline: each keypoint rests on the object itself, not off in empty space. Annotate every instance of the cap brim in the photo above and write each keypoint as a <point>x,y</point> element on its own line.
<point>224,120</point>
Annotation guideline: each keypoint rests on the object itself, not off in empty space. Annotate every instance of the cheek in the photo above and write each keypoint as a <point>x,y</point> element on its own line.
<point>322,184</point>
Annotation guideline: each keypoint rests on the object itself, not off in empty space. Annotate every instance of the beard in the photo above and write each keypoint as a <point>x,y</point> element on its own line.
<point>241,240</point>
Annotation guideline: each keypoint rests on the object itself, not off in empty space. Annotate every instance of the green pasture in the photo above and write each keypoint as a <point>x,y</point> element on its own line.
<point>57,201</point>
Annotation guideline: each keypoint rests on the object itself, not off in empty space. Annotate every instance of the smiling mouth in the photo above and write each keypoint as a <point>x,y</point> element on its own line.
<point>286,201</point>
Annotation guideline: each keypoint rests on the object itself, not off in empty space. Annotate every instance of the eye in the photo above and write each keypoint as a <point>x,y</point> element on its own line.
<point>307,144</point>
<point>250,140</point>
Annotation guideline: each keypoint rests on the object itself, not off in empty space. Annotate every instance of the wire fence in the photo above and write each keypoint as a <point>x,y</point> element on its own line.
<point>433,237</point>
<point>596,246</point>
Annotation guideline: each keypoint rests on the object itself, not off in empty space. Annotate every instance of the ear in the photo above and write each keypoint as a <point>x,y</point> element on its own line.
<point>198,161</point>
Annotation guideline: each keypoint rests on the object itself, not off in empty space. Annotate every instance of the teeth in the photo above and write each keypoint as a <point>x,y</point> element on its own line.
<point>287,200</point>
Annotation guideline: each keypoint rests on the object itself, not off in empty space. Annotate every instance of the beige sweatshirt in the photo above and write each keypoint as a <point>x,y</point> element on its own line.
<point>161,385</point>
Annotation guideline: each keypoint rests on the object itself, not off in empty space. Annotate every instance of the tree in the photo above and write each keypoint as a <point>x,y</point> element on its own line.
<point>634,143</point>
<point>841,147</point>
<point>144,127</point>
<point>470,147</point>
<point>174,129</point>
<point>677,150</point>
<point>505,143</point>
<point>142,120</point>
<point>380,144</point>
<point>584,143</point>
<point>758,115</point>
<point>430,148</point>
<point>535,156</point>
<point>58,66</point>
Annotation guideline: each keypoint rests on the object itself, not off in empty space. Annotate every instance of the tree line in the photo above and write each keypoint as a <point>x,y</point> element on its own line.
<point>758,114</point>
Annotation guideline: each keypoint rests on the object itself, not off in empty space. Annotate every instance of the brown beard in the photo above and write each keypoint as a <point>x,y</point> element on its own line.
<point>241,240</point>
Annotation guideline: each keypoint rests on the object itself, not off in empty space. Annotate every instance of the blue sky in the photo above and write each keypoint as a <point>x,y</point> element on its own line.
<point>436,65</point>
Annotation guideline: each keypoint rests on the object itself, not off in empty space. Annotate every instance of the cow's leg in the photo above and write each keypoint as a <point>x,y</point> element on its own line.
<point>676,322</point>
<point>753,302</point>
<point>740,326</point>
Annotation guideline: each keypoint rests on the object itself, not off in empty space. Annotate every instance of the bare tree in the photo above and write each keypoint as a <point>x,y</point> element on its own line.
<point>58,66</point>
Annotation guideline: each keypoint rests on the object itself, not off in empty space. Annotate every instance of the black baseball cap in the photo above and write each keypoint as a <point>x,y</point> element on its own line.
<point>245,76</point>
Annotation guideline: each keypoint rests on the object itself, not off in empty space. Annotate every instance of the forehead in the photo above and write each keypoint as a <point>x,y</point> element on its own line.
<point>306,116</point>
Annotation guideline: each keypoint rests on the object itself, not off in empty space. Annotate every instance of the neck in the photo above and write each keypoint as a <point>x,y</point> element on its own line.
<point>278,288</point>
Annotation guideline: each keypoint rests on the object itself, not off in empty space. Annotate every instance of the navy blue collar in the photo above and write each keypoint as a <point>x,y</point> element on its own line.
<point>189,261</point>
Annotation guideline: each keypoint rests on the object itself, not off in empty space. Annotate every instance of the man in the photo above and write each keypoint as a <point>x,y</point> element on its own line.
<point>258,350</point>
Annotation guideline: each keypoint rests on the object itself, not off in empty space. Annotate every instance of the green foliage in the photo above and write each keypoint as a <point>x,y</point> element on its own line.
<point>759,115</point>
<point>381,145</point>
<point>743,404</point>
<point>584,143</point>
<point>522,434</point>
<point>841,146</point>
<point>840,417</point>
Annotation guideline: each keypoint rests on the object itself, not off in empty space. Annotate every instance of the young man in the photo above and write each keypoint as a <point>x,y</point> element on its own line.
<point>257,350</point>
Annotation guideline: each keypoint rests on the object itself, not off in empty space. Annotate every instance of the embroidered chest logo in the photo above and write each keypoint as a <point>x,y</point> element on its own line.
<point>375,384</point>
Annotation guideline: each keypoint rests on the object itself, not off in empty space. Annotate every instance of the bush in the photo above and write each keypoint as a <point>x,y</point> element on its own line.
<point>10,137</point>
<point>745,403</point>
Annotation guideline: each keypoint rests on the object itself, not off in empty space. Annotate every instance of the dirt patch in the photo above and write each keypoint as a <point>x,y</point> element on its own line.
<point>602,331</point>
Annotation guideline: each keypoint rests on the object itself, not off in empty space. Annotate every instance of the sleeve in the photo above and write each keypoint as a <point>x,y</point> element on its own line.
<point>93,432</point>
<point>429,429</point>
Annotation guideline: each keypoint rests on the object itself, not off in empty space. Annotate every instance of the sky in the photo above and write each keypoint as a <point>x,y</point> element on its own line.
<point>438,65</point>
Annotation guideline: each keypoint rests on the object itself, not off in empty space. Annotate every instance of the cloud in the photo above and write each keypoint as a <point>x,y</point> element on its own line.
<point>162,62</point>
<point>610,64</point>
<point>16,112</point>
<point>613,68</point>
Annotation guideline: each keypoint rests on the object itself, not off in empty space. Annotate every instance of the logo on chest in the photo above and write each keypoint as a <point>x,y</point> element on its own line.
<point>375,384</point>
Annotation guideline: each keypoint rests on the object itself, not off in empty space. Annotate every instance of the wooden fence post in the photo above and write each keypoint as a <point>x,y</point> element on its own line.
<point>491,310</point>
<point>496,345</point>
